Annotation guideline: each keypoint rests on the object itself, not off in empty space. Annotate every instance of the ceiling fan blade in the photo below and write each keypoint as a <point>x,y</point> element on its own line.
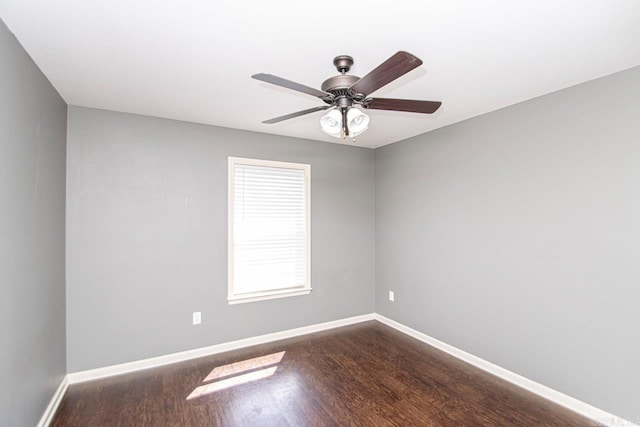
<point>279,81</point>
<point>409,105</point>
<point>398,65</point>
<point>296,114</point>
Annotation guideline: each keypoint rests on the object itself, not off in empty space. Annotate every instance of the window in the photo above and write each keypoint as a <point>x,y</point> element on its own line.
<point>269,233</point>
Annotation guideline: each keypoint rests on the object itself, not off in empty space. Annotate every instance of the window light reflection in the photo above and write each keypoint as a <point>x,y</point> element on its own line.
<point>233,374</point>
<point>244,366</point>
<point>231,382</point>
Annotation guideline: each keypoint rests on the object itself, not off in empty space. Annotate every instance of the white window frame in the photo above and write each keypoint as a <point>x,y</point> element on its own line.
<point>232,297</point>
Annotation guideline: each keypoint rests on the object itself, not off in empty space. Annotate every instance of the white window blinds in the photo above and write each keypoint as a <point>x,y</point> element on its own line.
<point>270,239</point>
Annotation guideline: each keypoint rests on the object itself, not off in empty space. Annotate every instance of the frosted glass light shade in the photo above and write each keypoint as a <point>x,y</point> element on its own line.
<point>331,123</point>
<point>357,121</point>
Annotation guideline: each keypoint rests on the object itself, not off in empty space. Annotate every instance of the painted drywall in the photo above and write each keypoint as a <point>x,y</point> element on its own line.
<point>147,236</point>
<point>32,232</point>
<point>515,236</point>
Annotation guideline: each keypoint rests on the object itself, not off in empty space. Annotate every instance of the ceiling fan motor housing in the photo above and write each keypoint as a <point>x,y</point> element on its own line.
<point>338,85</point>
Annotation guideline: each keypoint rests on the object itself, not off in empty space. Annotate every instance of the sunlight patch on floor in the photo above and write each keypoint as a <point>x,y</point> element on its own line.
<point>234,374</point>
<point>244,366</point>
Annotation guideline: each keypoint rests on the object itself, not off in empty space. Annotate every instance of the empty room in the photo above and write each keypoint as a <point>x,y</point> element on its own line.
<point>286,213</point>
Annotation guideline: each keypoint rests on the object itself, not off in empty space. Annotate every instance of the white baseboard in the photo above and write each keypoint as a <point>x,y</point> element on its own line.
<point>123,368</point>
<point>562,399</point>
<point>48,414</point>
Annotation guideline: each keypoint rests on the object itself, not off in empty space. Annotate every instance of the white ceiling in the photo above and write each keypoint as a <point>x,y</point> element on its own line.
<point>192,60</point>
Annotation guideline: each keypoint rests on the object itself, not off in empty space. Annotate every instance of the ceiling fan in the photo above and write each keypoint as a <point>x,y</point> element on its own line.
<point>343,92</point>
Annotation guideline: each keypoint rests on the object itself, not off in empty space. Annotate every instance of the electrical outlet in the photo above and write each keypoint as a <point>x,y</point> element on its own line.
<point>197,318</point>
<point>392,296</point>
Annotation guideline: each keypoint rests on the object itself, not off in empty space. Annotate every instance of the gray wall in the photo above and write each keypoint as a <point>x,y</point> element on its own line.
<point>32,194</point>
<point>147,236</point>
<point>516,236</point>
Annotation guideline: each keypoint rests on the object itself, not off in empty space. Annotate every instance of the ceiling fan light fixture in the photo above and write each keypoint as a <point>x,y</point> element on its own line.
<point>357,121</point>
<point>331,123</point>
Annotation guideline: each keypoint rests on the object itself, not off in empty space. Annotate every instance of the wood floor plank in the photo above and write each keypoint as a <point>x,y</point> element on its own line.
<point>361,375</point>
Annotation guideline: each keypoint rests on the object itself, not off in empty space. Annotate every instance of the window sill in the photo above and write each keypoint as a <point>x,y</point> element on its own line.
<point>262,296</point>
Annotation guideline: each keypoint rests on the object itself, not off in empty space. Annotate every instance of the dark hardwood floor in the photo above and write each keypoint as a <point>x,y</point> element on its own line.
<point>362,375</point>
